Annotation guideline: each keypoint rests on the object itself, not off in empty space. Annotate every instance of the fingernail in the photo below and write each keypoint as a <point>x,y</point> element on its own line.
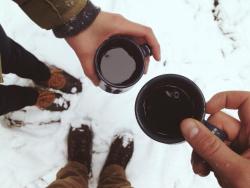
<point>193,132</point>
<point>190,129</point>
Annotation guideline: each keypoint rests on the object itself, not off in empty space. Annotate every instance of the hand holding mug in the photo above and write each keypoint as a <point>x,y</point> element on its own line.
<point>107,24</point>
<point>229,160</point>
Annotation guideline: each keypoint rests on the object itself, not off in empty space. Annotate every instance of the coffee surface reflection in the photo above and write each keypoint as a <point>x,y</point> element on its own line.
<point>117,66</point>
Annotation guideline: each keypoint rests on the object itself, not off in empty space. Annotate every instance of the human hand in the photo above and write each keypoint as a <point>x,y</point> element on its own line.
<point>106,24</point>
<point>230,161</point>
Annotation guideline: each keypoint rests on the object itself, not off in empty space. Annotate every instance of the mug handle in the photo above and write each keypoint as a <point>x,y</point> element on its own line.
<point>216,131</point>
<point>146,50</point>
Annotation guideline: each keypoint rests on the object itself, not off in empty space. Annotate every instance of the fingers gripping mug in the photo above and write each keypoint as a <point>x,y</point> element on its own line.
<point>164,102</point>
<point>119,63</point>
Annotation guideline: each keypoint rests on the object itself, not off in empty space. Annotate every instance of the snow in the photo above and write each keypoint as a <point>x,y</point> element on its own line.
<point>212,49</point>
<point>74,90</point>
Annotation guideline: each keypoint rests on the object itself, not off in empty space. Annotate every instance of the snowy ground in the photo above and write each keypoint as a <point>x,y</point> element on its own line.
<point>211,48</point>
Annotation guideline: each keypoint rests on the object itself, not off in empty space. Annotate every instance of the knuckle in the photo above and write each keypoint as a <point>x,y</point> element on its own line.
<point>219,96</point>
<point>222,96</point>
<point>148,29</point>
<point>118,18</point>
<point>222,93</point>
<point>214,118</point>
<point>209,145</point>
<point>118,15</point>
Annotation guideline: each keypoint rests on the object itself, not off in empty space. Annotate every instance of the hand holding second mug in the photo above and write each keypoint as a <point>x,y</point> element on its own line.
<point>106,24</point>
<point>230,165</point>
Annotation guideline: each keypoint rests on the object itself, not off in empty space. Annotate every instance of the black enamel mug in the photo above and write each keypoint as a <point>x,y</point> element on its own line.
<point>119,63</point>
<point>164,102</point>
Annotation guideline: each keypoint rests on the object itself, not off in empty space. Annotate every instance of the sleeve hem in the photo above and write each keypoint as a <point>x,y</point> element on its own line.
<point>78,23</point>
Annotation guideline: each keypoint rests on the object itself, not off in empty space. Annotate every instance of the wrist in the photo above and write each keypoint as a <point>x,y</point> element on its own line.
<point>78,23</point>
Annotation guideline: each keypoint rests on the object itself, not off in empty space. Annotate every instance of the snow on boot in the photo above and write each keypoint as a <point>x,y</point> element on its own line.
<point>121,150</point>
<point>61,80</point>
<point>48,100</point>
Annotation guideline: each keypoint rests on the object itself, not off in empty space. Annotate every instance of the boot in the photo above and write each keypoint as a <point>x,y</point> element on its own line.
<point>120,152</point>
<point>61,80</point>
<point>80,145</point>
<point>48,100</point>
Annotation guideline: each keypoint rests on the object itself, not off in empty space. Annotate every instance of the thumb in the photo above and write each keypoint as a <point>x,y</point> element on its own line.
<point>220,157</point>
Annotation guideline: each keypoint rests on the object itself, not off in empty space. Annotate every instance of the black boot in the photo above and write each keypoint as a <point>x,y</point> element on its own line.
<point>80,145</point>
<point>120,152</point>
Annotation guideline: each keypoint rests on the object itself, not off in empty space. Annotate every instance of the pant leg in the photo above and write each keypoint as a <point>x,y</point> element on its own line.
<point>17,60</point>
<point>113,176</point>
<point>73,175</point>
<point>15,97</point>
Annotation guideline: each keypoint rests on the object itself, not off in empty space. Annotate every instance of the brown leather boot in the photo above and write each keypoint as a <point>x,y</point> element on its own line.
<point>121,151</point>
<point>80,145</point>
<point>61,80</point>
<point>48,100</point>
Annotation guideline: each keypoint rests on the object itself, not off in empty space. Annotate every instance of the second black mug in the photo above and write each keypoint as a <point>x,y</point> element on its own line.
<point>164,102</point>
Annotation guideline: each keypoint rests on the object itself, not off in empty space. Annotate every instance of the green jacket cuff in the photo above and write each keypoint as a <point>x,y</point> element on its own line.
<point>78,23</point>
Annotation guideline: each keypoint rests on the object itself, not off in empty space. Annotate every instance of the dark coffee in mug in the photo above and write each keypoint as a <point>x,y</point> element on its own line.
<point>166,107</point>
<point>119,63</point>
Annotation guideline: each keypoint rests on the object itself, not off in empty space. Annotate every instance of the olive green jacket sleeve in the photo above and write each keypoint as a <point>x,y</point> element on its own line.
<point>49,14</point>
